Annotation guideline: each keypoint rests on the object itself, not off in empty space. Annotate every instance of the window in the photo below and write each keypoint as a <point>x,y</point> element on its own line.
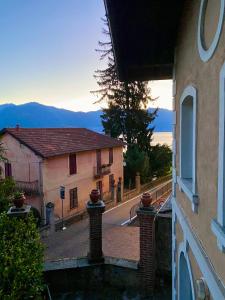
<point>99,186</point>
<point>8,170</point>
<point>73,198</point>
<point>187,179</point>
<point>110,155</point>
<point>72,164</point>
<point>111,182</point>
<point>204,52</point>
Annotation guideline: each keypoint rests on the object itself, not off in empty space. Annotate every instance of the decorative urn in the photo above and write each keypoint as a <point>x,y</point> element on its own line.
<point>19,199</point>
<point>146,199</point>
<point>94,196</point>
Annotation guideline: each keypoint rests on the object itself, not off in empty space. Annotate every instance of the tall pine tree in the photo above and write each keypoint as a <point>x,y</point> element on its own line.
<point>127,115</point>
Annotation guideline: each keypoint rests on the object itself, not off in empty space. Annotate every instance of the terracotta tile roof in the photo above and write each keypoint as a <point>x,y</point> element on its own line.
<point>48,142</point>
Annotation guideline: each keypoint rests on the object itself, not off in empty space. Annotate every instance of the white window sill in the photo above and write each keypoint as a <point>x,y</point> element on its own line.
<point>186,186</point>
<point>219,232</point>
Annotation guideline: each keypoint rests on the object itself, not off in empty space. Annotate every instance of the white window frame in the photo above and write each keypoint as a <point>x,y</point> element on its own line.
<point>206,54</point>
<point>183,249</point>
<point>218,225</point>
<point>189,91</point>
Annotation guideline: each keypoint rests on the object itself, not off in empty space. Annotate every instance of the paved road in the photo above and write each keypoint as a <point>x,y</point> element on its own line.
<point>118,241</point>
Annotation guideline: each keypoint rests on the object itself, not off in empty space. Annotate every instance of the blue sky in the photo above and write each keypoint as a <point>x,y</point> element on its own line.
<point>47,53</point>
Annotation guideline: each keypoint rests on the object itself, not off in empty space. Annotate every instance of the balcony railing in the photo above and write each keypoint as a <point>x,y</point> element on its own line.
<point>29,188</point>
<point>103,170</point>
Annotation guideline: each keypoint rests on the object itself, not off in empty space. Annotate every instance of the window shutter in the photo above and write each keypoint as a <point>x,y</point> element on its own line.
<point>110,155</point>
<point>72,164</point>
<point>8,170</point>
<point>73,198</point>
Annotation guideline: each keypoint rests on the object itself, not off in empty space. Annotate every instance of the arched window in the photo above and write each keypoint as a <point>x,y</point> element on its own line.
<point>187,178</point>
<point>185,288</point>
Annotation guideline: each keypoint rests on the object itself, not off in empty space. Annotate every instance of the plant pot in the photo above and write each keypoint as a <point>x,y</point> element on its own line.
<point>94,196</point>
<point>19,202</point>
<point>146,200</point>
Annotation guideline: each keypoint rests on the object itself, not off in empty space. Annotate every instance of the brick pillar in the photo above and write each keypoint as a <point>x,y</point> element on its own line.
<point>95,208</point>
<point>146,214</point>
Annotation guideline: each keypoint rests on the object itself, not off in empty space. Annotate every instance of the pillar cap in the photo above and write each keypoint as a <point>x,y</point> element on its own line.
<point>99,204</point>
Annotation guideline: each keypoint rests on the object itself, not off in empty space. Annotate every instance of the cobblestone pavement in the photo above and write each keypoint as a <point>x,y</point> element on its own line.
<point>118,241</point>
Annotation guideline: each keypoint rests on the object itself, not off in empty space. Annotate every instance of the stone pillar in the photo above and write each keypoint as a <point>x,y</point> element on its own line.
<point>95,208</point>
<point>138,182</point>
<point>146,214</point>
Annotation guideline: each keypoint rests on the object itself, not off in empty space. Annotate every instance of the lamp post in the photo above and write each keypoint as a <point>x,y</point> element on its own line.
<point>62,196</point>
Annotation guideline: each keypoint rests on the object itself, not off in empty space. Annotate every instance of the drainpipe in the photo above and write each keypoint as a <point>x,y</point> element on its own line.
<point>40,181</point>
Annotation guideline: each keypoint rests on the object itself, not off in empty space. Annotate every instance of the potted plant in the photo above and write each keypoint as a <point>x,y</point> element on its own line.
<point>18,199</point>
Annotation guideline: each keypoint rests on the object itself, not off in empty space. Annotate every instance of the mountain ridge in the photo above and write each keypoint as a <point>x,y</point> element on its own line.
<point>36,115</point>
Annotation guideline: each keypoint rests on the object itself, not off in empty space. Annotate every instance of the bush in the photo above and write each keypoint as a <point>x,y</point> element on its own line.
<point>7,187</point>
<point>21,259</point>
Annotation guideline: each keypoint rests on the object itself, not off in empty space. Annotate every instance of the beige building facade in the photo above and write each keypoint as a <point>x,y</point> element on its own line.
<point>186,43</point>
<point>42,174</point>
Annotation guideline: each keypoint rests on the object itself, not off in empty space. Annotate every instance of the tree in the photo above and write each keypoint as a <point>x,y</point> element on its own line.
<point>126,115</point>
<point>136,162</point>
<point>161,160</point>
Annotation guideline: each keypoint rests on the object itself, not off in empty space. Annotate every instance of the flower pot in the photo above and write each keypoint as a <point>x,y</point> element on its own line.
<point>94,196</point>
<point>146,199</point>
<point>19,202</point>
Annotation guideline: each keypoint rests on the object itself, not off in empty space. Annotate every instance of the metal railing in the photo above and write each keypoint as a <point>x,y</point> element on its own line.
<point>103,170</point>
<point>156,195</point>
<point>30,188</point>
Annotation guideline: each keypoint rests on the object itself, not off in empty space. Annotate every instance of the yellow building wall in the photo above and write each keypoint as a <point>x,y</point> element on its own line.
<point>56,174</point>
<point>204,76</point>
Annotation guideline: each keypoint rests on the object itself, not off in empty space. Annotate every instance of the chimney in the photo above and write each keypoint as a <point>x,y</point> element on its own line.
<point>17,127</point>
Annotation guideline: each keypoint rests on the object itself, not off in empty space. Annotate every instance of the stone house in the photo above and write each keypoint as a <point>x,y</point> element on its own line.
<point>42,160</point>
<point>185,41</point>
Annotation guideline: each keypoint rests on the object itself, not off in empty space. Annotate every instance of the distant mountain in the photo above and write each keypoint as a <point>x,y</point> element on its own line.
<point>37,115</point>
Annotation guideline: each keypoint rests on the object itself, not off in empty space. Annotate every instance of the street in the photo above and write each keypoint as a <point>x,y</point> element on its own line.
<point>118,240</point>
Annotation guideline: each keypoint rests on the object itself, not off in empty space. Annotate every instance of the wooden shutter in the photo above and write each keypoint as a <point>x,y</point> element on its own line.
<point>110,155</point>
<point>99,160</point>
<point>73,164</point>
<point>8,170</point>
<point>73,198</point>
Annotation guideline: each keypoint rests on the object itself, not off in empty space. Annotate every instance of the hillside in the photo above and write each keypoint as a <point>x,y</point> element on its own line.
<point>37,115</point>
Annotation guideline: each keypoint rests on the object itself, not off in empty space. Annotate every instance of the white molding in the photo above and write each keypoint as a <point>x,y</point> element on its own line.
<point>190,195</point>
<point>206,54</point>
<point>174,117</point>
<point>183,248</point>
<point>214,283</point>
<point>192,92</point>
<point>174,149</point>
<point>174,252</point>
<point>218,227</point>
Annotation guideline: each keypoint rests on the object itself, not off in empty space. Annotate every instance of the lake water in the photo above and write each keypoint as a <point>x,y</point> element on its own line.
<point>162,138</point>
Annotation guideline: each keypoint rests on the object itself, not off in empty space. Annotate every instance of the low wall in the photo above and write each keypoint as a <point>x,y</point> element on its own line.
<point>70,275</point>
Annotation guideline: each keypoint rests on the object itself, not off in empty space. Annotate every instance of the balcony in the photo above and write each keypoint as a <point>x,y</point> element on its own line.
<point>29,188</point>
<point>103,170</point>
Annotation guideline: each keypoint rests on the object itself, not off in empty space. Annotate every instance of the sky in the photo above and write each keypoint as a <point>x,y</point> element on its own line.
<point>47,54</point>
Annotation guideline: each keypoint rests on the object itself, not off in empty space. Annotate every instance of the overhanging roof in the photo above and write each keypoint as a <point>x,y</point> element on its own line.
<point>143,34</point>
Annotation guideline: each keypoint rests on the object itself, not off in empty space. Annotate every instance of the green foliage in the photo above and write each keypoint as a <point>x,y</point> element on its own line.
<point>21,259</point>
<point>136,162</point>
<point>7,187</point>
<point>160,160</point>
